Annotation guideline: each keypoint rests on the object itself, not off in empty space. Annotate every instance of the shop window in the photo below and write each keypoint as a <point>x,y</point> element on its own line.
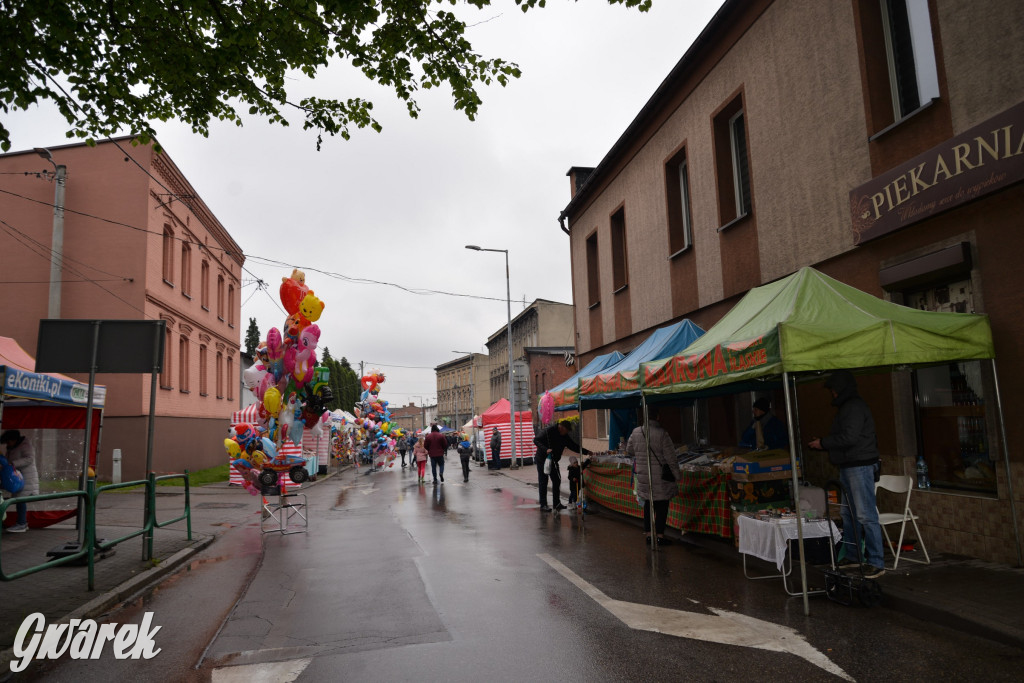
<point>186,269</point>
<point>620,264</point>
<point>910,55</point>
<point>732,162</point>
<point>677,189</point>
<point>593,272</point>
<point>602,424</point>
<point>952,427</point>
<point>168,255</point>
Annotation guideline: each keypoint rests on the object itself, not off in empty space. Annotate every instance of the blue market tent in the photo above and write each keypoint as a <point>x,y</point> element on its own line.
<point>566,394</point>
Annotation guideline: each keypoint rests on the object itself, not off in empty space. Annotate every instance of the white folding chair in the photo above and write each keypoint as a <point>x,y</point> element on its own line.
<point>900,484</point>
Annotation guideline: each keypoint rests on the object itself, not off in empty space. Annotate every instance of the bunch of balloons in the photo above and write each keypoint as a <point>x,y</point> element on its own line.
<point>292,389</point>
<point>374,418</point>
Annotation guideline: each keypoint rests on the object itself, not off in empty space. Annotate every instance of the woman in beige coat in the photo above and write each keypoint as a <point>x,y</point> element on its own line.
<point>654,489</point>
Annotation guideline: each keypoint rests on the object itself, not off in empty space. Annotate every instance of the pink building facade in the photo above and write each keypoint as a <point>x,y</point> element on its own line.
<point>138,244</point>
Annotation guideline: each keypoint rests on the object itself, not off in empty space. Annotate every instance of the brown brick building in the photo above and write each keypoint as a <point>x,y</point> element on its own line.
<point>881,142</point>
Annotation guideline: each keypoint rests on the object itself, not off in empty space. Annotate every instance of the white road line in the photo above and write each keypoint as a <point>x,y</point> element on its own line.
<point>270,672</point>
<point>727,628</point>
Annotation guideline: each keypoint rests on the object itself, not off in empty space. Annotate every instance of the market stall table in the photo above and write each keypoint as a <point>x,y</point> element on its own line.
<point>701,506</point>
<point>769,541</point>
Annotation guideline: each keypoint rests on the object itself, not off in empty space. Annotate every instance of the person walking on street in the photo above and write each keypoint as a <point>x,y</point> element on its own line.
<point>495,449</point>
<point>852,446</point>
<point>551,442</point>
<point>436,446</point>
<point>419,454</point>
<point>652,486</point>
<point>22,457</point>
<point>465,453</point>
<point>402,447</point>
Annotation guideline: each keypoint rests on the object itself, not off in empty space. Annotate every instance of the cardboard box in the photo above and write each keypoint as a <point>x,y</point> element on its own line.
<point>762,466</point>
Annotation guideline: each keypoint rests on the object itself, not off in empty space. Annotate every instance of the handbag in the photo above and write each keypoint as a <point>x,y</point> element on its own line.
<point>666,473</point>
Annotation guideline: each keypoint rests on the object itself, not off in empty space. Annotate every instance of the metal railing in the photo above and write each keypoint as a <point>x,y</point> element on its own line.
<point>91,545</point>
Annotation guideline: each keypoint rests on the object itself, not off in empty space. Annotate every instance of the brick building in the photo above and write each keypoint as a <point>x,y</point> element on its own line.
<point>462,388</point>
<point>547,366</point>
<point>879,141</point>
<point>139,243</point>
<point>409,417</point>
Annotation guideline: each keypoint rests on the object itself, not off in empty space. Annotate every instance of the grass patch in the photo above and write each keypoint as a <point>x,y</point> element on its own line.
<point>211,475</point>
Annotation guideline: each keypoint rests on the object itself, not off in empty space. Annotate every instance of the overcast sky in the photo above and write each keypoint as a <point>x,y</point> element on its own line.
<point>400,206</point>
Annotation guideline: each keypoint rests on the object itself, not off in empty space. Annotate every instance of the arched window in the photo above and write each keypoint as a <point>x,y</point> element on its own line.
<point>183,364</point>
<point>231,378</point>
<point>231,305</point>
<point>220,375</point>
<point>186,269</point>
<point>220,297</point>
<point>204,285</point>
<point>202,370</point>
<point>165,373</point>
<point>168,270</point>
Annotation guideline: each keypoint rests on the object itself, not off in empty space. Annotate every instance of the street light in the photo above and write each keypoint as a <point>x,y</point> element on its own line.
<point>511,386</point>
<point>57,243</point>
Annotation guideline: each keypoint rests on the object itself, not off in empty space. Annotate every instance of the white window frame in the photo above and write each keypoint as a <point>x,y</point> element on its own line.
<point>684,196</point>
<point>737,184</point>
<point>923,48</point>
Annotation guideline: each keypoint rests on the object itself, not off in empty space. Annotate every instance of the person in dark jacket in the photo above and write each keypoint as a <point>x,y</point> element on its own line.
<point>551,442</point>
<point>495,449</point>
<point>402,446</point>
<point>436,446</point>
<point>853,447</point>
<point>465,453</point>
<point>23,458</point>
<point>765,430</point>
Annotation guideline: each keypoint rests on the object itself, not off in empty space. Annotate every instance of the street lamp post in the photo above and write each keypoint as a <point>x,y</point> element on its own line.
<point>511,386</point>
<point>57,245</point>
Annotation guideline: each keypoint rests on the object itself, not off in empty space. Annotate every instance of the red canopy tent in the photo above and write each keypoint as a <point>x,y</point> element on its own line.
<point>498,416</point>
<point>31,401</point>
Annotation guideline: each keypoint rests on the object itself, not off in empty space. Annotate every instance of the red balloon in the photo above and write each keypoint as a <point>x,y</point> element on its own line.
<point>292,293</point>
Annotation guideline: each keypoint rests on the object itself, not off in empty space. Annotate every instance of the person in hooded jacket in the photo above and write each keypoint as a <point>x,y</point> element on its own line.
<point>651,486</point>
<point>853,447</point>
<point>23,458</point>
<point>495,450</point>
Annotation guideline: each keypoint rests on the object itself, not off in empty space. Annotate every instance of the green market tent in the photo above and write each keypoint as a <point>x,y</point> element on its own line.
<point>811,322</point>
<point>566,394</point>
<point>619,385</point>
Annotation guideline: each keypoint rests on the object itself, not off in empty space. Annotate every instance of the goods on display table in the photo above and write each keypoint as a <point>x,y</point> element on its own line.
<point>714,486</point>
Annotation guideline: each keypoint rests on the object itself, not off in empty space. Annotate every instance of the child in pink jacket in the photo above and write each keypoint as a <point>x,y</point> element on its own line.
<point>421,459</point>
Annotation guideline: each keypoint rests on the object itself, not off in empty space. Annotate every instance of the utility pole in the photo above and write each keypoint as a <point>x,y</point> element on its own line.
<point>57,242</point>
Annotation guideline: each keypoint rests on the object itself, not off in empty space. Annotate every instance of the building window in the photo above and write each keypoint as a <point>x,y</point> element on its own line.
<point>677,187</point>
<point>910,53</point>
<point>165,373</point>
<point>231,305</point>
<point>231,378</point>
<point>186,269</point>
<point>602,424</point>
<point>543,382</point>
<point>220,374</point>
<point>183,364</point>
<point>620,265</point>
<point>593,271</point>
<point>732,162</point>
<point>168,270</point>
<point>220,297</point>
<point>204,285</point>
<point>203,370</point>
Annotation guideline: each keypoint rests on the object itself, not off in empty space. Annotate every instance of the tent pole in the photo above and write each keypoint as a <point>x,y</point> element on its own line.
<point>796,490</point>
<point>1006,459</point>
<point>650,475</point>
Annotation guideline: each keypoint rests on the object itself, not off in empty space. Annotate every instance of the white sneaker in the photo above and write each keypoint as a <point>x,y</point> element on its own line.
<point>18,528</point>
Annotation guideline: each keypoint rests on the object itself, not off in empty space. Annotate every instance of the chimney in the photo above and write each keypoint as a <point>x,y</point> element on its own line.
<point>578,176</point>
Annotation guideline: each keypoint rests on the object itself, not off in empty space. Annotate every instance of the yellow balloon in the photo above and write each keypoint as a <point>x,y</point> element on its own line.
<point>232,447</point>
<point>272,401</point>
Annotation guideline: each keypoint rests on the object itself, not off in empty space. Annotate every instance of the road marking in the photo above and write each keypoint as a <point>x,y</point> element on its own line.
<point>727,628</point>
<point>270,672</point>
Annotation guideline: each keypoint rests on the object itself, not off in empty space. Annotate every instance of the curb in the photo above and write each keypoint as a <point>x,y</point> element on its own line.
<point>102,604</point>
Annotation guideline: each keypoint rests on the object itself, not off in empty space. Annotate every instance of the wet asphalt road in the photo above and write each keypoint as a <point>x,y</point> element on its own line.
<point>460,582</point>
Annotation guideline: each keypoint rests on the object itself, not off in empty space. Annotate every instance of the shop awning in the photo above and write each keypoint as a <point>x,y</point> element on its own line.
<point>21,383</point>
<point>618,386</point>
<point>809,322</point>
<point>566,394</point>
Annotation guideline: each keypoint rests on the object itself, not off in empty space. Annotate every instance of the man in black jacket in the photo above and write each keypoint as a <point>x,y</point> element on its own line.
<point>495,449</point>
<point>853,448</point>
<point>551,442</point>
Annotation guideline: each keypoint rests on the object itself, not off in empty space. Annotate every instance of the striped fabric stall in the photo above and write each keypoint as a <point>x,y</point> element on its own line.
<point>251,415</point>
<point>702,505</point>
<point>524,440</point>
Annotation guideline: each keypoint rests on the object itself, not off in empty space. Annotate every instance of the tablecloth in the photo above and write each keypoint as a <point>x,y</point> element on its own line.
<point>701,506</point>
<point>768,539</point>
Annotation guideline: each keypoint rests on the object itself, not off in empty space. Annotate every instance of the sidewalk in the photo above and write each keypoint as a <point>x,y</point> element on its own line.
<point>61,592</point>
<point>958,592</point>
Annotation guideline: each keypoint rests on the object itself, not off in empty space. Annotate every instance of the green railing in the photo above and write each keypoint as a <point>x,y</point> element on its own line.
<point>91,544</point>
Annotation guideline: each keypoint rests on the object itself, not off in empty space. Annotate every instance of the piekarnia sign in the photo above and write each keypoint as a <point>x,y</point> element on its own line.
<point>986,158</point>
<point>82,639</point>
